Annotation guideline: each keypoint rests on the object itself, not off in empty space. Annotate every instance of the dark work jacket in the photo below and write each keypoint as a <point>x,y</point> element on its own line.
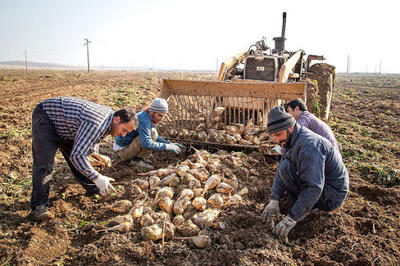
<point>319,168</point>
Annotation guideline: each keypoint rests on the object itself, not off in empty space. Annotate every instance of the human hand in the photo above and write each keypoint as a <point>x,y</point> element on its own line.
<point>283,228</point>
<point>183,147</point>
<point>103,184</point>
<point>277,149</point>
<point>271,209</point>
<point>173,147</point>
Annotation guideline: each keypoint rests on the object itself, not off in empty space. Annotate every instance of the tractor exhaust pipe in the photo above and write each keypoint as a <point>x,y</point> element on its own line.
<point>283,25</point>
<point>280,41</point>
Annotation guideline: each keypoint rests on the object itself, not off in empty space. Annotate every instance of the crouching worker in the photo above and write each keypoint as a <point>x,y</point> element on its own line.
<point>74,126</point>
<point>139,143</point>
<point>311,171</point>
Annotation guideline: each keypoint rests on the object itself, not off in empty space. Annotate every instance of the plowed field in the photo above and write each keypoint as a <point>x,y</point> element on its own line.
<point>364,231</point>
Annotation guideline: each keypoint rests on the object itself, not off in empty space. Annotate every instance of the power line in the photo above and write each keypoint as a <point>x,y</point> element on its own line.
<point>53,52</point>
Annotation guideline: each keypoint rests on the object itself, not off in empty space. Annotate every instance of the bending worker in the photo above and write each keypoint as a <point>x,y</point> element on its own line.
<point>74,126</point>
<point>298,109</point>
<point>311,171</point>
<point>139,143</point>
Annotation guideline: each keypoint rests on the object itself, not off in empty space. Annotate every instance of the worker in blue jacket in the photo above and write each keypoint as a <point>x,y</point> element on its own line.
<point>139,143</point>
<point>311,171</point>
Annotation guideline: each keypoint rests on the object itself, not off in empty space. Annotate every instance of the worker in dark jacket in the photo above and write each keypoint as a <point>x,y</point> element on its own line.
<point>311,171</point>
<point>74,126</point>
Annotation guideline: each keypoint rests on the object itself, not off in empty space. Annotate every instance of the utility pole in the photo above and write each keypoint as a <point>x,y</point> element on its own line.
<point>380,66</point>
<point>26,63</point>
<point>87,49</point>
<point>348,64</point>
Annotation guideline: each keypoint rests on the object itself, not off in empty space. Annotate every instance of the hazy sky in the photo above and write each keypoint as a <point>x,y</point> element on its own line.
<point>186,34</point>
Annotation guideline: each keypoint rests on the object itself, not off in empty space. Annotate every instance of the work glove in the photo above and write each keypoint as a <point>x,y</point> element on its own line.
<point>181,146</point>
<point>174,147</point>
<point>271,209</point>
<point>277,149</point>
<point>103,184</point>
<point>283,228</point>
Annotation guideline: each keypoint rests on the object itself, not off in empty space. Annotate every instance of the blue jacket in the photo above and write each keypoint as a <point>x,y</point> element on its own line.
<point>319,167</point>
<point>144,130</point>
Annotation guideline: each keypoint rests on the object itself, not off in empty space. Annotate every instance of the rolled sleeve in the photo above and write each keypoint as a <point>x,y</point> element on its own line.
<point>147,142</point>
<point>87,137</point>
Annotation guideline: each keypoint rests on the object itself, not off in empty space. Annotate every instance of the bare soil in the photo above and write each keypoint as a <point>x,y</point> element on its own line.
<point>364,231</point>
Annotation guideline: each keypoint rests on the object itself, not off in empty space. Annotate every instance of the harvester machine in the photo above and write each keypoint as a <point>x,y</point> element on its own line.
<point>231,113</point>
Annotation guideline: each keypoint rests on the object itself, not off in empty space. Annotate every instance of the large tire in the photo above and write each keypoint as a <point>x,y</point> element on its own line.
<point>325,76</point>
<point>312,97</point>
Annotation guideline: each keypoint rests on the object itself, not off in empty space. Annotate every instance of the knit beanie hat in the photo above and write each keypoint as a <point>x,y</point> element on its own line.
<point>159,105</point>
<point>279,120</point>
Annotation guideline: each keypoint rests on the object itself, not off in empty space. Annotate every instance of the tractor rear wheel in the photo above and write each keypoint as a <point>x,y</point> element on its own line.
<point>312,96</point>
<point>325,76</point>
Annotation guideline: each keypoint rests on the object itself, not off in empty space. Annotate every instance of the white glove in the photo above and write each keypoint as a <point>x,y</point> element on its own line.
<point>271,209</point>
<point>283,228</point>
<point>277,149</point>
<point>173,147</point>
<point>104,185</point>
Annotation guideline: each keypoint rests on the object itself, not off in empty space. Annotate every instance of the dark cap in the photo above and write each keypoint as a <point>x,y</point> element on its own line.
<point>279,120</point>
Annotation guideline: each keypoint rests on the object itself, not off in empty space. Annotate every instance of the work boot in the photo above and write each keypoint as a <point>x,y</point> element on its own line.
<point>141,163</point>
<point>315,211</point>
<point>42,214</point>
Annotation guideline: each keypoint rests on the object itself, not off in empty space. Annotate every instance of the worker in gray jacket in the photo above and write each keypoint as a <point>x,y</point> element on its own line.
<point>311,171</point>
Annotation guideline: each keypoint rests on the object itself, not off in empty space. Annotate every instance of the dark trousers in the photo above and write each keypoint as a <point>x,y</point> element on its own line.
<point>45,143</point>
<point>290,178</point>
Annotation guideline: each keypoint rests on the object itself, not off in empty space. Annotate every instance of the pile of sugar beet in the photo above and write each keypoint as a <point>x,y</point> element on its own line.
<point>213,129</point>
<point>183,200</point>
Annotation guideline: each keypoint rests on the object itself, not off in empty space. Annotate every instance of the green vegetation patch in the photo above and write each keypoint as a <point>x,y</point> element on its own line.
<point>122,97</point>
<point>375,160</point>
<point>379,174</point>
